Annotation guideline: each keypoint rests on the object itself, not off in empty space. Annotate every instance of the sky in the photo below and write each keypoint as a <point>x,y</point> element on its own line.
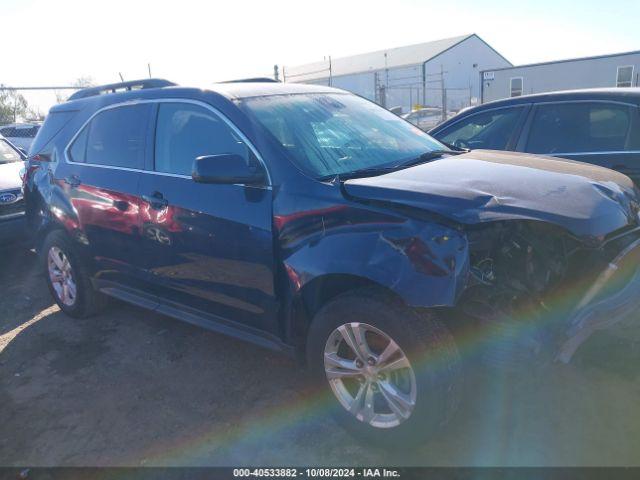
<point>199,42</point>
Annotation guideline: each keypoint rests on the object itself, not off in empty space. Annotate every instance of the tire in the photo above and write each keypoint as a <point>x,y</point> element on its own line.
<point>433,379</point>
<point>81,302</point>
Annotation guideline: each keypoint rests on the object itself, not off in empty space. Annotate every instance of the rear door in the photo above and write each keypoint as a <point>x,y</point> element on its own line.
<point>598,132</point>
<point>208,247</point>
<point>100,177</point>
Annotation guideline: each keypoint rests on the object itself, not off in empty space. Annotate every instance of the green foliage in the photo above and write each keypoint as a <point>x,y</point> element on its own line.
<point>13,106</point>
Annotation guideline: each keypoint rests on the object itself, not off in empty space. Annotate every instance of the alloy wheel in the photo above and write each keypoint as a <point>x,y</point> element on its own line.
<point>61,276</point>
<point>370,375</point>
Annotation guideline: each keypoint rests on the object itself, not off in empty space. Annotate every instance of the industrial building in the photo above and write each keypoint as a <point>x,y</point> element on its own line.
<point>439,73</point>
<point>615,70</point>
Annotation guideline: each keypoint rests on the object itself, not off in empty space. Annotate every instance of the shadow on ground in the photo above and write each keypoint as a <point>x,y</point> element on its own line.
<point>130,387</point>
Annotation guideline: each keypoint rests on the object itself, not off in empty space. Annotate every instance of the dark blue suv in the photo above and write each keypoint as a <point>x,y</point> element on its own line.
<point>311,221</point>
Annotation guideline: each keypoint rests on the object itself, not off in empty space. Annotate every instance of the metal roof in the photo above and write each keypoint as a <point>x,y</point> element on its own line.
<point>381,59</point>
<point>564,60</point>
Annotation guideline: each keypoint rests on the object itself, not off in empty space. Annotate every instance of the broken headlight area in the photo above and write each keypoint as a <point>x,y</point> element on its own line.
<point>533,288</point>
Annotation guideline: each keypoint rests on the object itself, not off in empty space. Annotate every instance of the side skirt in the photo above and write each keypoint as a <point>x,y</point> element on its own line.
<point>199,318</point>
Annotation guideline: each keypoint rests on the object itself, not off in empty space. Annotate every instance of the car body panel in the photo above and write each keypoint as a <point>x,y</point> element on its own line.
<point>102,214</point>
<point>321,234</point>
<point>210,248</point>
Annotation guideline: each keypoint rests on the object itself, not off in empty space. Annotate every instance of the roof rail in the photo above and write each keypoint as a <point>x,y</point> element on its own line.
<point>126,86</point>
<point>253,80</point>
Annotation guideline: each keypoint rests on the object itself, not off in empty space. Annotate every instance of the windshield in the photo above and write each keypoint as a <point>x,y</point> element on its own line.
<point>7,153</point>
<point>331,134</point>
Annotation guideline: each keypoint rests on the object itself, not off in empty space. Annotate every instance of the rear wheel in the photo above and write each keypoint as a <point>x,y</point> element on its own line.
<point>68,279</point>
<point>392,375</point>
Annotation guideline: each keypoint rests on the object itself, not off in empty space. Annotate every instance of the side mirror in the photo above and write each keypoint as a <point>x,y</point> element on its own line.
<point>227,168</point>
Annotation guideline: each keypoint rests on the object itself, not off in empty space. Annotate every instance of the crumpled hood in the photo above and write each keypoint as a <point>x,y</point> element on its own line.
<point>10,175</point>
<point>484,186</point>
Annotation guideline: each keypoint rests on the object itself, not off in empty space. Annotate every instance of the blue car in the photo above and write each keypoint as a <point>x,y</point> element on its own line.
<point>311,221</point>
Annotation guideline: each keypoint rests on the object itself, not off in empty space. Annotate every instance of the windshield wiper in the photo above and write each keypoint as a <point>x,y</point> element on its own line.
<point>363,172</point>
<point>425,157</point>
<point>373,171</point>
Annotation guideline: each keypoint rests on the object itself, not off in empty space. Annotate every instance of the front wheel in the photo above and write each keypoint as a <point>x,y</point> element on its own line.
<point>392,375</point>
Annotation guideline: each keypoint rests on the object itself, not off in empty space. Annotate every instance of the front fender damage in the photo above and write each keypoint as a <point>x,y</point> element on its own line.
<point>426,264</point>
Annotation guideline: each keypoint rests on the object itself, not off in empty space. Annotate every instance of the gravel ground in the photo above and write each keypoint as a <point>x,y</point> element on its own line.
<point>130,388</point>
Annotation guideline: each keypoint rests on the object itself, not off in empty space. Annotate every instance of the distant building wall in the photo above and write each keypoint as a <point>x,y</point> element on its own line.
<point>404,86</point>
<point>462,65</point>
<point>594,72</point>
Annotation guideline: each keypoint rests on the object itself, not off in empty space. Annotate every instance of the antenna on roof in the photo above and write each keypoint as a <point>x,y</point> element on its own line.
<point>121,77</point>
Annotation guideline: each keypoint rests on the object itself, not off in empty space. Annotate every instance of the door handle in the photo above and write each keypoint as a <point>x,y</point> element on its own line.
<point>72,180</point>
<point>156,200</point>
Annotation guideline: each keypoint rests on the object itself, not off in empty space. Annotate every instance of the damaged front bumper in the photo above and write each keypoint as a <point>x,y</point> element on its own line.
<point>613,297</point>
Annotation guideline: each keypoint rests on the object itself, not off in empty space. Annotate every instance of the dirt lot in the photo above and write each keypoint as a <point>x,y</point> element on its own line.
<point>134,388</point>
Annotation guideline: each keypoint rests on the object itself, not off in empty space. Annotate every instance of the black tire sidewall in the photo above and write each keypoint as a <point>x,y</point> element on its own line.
<point>436,385</point>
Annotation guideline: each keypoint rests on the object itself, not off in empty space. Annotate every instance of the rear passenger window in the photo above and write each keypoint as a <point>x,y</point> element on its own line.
<point>54,122</point>
<point>579,128</point>
<point>114,137</point>
<point>185,131</point>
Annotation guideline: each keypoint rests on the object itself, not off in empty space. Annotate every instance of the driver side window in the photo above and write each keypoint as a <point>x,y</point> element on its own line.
<point>489,130</point>
<point>185,131</point>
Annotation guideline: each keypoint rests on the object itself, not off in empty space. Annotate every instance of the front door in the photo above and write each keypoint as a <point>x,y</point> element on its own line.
<point>206,246</point>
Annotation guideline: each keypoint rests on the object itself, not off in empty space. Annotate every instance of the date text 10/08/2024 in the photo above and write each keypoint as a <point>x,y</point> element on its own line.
<point>316,472</point>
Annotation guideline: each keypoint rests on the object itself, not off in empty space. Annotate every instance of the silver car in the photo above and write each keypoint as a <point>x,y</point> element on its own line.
<point>425,118</point>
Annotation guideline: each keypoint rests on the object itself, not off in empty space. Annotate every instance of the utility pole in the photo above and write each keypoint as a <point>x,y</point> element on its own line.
<point>443,93</point>
<point>330,72</point>
<point>276,73</point>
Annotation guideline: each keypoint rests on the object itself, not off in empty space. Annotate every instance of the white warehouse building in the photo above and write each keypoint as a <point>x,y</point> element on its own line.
<point>614,70</point>
<point>435,73</point>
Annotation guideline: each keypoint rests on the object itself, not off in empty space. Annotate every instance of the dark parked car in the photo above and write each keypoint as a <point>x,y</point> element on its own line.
<point>314,222</point>
<point>600,126</point>
<point>12,217</point>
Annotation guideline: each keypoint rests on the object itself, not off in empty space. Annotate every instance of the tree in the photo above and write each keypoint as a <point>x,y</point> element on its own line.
<point>12,106</point>
<point>80,82</point>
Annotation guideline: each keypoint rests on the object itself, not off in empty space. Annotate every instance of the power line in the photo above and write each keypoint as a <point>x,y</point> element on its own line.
<point>2,87</point>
